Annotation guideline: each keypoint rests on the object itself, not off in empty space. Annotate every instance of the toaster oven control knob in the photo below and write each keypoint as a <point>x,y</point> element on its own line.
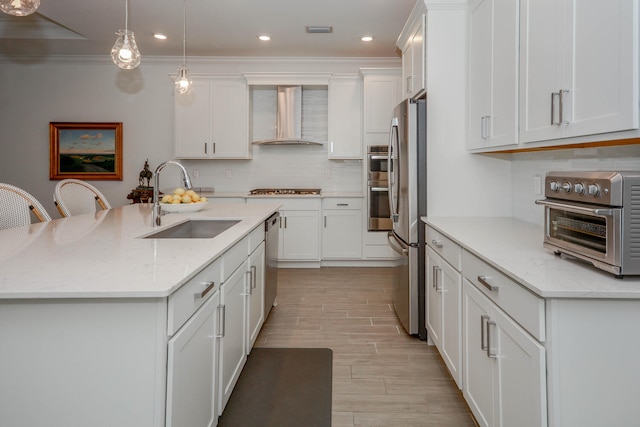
<point>593,190</point>
<point>554,186</point>
<point>566,187</point>
<point>579,188</point>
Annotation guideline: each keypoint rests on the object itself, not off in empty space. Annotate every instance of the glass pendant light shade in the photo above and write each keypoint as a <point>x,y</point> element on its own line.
<point>184,85</point>
<point>125,53</point>
<point>19,7</point>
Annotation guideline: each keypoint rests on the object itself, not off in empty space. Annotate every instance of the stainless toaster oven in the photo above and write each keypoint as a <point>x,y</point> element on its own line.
<point>594,216</point>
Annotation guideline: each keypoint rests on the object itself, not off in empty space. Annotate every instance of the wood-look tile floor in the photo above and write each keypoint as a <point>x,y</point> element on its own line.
<point>381,375</point>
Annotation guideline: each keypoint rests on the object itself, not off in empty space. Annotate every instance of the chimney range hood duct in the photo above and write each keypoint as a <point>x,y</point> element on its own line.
<point>289,119</point>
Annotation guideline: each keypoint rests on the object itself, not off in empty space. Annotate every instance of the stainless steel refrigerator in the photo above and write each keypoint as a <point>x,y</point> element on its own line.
<point>407,165</point>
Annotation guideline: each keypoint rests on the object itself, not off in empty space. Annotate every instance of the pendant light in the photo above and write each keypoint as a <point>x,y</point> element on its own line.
<point>125,53</point>
<point>19,7</point>
<point>184,85</point>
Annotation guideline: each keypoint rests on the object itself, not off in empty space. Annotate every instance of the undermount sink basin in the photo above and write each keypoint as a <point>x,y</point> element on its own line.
<point>195,229</point>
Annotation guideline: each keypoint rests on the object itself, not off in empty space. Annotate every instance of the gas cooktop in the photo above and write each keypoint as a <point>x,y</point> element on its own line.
<point>285,192</point>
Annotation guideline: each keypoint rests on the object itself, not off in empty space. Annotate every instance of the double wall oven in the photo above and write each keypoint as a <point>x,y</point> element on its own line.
<point>378,213</point>
<point>594,216</point>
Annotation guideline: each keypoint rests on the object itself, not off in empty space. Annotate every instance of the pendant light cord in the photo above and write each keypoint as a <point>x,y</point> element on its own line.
<point>126,15</point>
<point>184,33</point>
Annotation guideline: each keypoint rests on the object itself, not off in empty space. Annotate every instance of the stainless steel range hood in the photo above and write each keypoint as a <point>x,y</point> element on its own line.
<point>289,119</point>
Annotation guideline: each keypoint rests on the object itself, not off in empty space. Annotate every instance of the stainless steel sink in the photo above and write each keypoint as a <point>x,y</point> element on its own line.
<point>195,229</point>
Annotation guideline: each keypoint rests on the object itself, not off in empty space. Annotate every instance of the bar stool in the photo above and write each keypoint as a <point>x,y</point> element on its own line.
<point>16,206</point>
<point>75,197</point>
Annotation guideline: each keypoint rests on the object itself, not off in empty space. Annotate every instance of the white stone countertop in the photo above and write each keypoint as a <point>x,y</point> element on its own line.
<point>515,248</point>
<point>101,255</point>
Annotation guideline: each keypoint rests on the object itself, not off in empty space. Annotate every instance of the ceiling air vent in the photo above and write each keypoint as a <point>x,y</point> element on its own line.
<point>320,29</point>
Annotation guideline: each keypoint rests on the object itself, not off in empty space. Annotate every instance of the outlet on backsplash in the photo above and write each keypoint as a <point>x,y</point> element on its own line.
<point>228,174</point>
<point>537,185</point>
<point>327,174</point>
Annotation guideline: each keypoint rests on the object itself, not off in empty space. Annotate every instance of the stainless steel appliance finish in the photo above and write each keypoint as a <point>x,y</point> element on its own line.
<point>272,227</point>
<point>285,192</point>
<point>594,216</point>
<point>407,157</point>
<point>378,215</point>
<point>289,119</point>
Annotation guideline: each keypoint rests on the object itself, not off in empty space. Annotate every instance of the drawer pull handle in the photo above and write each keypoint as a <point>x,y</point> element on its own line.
<point>343,204</point>
<point>437,243</point>
<point>483,282</point>
<point>483,319</point>
<point>210,286</point>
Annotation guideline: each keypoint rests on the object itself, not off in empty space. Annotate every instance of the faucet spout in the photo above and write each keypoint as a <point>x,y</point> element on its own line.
<point>157,210</point>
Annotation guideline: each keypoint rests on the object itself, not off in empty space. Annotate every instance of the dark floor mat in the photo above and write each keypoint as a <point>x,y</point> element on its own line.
<point>282,387</point>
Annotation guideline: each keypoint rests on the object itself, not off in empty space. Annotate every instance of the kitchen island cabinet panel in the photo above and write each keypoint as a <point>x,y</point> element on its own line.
<point>255,295</point>
<point>100,354</point>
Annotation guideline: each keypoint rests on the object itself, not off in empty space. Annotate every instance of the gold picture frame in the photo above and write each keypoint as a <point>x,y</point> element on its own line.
<point>87,151</point>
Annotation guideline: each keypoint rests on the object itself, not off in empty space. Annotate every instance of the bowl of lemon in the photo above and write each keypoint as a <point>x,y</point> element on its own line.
<point>183,201</point>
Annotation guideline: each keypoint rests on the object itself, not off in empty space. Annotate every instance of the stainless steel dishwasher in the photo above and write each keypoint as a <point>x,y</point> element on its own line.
<point>272,230</point>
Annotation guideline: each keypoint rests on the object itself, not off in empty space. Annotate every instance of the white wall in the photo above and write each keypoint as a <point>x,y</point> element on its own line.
<point>34,92</point>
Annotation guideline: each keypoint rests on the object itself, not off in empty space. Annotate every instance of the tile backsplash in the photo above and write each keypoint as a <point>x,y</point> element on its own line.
<point>527,166</point>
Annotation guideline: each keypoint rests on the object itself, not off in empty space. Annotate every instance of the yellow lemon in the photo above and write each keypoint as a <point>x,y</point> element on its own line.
<point>186,199</point>
<point>179,191</point>
<point>203,199</point>
<point>176,200</point>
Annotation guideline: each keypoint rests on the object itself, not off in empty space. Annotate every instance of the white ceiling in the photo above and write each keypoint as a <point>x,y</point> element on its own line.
<point>214,27</point>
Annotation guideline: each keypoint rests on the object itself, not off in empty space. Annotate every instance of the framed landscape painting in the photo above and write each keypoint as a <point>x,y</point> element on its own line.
<point>87,151</point>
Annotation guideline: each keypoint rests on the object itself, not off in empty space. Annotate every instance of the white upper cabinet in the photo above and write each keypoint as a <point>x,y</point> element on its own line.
<point>579,68</point>
<point>413,55</point>
<point>493,79</point>
<point>345,117</point>
<point>212,122</point>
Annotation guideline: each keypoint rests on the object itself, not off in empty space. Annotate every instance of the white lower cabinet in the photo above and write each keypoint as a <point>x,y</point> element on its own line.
<point>255,295</point>
<point>504,367</point>
<point>233,354</point>
<point>192,369</point>
<point>443,313</point>
<point>342,228</point>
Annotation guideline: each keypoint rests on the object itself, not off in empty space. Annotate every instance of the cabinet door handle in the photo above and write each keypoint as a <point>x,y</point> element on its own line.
<point>437,243</point>
<point>553,109</point>
<point>209,287</point>
<point>325,221</point>
<point>254,276</point>
<point>436,282</point>
<point>248,284</point>
<point>205,148</point>
<point>221,321</point>
<point>483,320</point>
<point>214,148</point>
<point>484,282</point>
<point>489,352</point>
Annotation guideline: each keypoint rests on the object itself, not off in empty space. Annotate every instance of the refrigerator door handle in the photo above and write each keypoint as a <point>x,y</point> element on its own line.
<point>393,242</point>
<point>391,154</point>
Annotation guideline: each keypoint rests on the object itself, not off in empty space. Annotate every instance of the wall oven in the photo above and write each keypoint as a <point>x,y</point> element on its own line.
<point>594,216</point>
<point>379,216</point>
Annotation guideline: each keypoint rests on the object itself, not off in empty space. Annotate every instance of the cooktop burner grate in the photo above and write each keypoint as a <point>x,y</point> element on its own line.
<point>285,191</point>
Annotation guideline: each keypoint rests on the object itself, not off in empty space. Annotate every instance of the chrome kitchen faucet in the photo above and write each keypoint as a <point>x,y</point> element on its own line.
<point>157,210</point>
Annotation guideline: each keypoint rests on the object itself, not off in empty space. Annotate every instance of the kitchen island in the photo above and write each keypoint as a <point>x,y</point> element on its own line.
<point>531,338</point>
<point>103,327</point>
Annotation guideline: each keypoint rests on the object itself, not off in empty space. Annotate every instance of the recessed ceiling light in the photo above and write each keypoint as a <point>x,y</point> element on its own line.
<point>160,36</point>
<point>366,38</point>
<point>264,37</point>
